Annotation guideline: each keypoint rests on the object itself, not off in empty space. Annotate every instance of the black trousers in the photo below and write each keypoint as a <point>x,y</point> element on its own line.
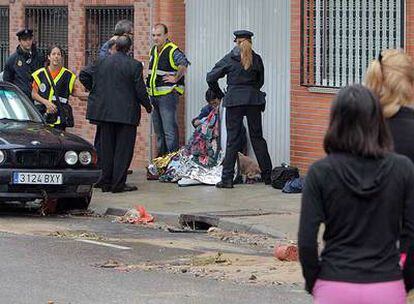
<point>234,124</point>
<point>117,150</point>
<point>97,144</point>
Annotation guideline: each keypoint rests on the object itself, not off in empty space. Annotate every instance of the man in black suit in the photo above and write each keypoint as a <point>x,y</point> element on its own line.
<point>116,95</point>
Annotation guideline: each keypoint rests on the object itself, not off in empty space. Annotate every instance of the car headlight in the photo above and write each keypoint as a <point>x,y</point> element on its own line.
<point>71,158</point>
<point>2,157</point>
<point>85,158</point>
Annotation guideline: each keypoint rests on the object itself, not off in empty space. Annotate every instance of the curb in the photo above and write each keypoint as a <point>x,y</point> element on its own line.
<point>230,225</point>
<point>173,219</point>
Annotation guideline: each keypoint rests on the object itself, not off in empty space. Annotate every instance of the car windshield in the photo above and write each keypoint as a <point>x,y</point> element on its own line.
<point>14,107</point>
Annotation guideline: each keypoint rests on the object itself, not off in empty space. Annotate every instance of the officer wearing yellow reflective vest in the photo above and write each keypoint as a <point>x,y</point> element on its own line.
<point>55,104</point>
<point>165,82</point>
<point>161,65</point>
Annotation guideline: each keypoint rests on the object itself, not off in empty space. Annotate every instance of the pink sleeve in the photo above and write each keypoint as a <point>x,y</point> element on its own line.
<point>403,258</point>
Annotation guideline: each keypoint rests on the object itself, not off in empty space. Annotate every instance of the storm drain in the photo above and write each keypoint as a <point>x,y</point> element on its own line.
<point>198,221</point>
<point>204,220</point>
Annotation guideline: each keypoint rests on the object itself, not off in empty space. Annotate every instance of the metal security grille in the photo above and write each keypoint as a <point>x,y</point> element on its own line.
<point>4,36</point>
<point>341,37</point>
<point>50,26</point>
<point>100,25</point>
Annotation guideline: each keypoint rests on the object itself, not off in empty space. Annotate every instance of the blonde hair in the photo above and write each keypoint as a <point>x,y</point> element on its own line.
<point>392,80</point>
<point>246,53</point>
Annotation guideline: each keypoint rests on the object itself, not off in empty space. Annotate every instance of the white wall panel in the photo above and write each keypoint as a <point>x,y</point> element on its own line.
<point>209,28</point>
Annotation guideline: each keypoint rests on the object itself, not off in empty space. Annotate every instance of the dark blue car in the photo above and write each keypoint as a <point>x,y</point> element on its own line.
<point>39,162</point>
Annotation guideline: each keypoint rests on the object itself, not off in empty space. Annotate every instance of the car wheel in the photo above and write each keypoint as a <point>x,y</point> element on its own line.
<point>67,204</point>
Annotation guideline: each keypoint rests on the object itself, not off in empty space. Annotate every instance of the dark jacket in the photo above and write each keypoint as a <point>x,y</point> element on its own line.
<point>365,205</point>
<point>402,130</point>
<point>20,66</point>
<point>104,50</point>
<point>204,112</point>
<point>117,90</point>
<point>84,77</point>
<point>243,87</point>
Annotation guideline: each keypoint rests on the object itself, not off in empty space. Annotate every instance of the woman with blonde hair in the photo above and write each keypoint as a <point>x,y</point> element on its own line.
<point>245,77</point>
<point>391,78</point>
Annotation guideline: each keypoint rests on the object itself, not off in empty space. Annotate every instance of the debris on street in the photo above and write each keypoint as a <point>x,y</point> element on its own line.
<point>77,234</point>
<point>253,278</point>
<point>237,268</point>
<point>110,264</point>
<point>241,238</point>
<point>137,215</point>
<point>286,253</point>
<point>216,259</point>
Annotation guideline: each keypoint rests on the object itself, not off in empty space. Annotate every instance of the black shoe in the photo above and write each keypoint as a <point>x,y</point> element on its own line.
<point>238,180</point>
<point>129,172</point>
<point>224,185</point>
<point>125,188</point>
<point>267,181</point>
<point>106,188</point>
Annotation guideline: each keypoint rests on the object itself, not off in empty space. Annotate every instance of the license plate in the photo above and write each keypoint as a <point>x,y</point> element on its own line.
<point>37,178</point>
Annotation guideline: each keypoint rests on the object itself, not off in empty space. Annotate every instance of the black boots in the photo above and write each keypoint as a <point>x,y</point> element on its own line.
<point>224,185</point>
<point>266,178</point>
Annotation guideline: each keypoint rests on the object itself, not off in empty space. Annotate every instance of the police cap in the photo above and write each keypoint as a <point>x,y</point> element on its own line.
<point>25,33</point>
<point>242,34</point>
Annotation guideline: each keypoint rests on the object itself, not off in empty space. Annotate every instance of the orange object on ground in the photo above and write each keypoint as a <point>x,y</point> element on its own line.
<point>286,253</point>
<point>144,216</point>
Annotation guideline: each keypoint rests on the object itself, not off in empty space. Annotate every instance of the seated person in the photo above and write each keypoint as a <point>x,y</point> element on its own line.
<point>212,103</point>
<point>201,155</point>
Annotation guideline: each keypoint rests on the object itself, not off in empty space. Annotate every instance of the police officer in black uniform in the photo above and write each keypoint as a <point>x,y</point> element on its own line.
<point>21,64</point>
<point>245,77</point>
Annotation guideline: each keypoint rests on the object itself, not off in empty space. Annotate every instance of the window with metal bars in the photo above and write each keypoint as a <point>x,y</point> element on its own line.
<point>4,36</point>
<point>100,25</point>
<point>341,37</point>
<point>50,26</point>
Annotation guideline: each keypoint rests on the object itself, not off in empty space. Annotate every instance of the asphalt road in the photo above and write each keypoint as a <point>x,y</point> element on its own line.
<point>37,266</point>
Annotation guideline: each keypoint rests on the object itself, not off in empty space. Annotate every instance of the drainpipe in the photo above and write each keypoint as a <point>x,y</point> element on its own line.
<point>151,129</point>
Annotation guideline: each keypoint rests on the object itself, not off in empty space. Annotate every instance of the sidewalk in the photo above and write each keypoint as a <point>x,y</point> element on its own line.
<point>250,208</point>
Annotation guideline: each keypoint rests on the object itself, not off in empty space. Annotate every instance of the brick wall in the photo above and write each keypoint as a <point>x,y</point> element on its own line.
<point>170,12</point>
<point>409,32</point>
<point>309,111</point>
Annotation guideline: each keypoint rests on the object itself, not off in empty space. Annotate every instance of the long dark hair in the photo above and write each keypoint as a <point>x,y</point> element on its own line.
<point>49,51</point>
<point>210,95</point>
<point>357,125</point>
